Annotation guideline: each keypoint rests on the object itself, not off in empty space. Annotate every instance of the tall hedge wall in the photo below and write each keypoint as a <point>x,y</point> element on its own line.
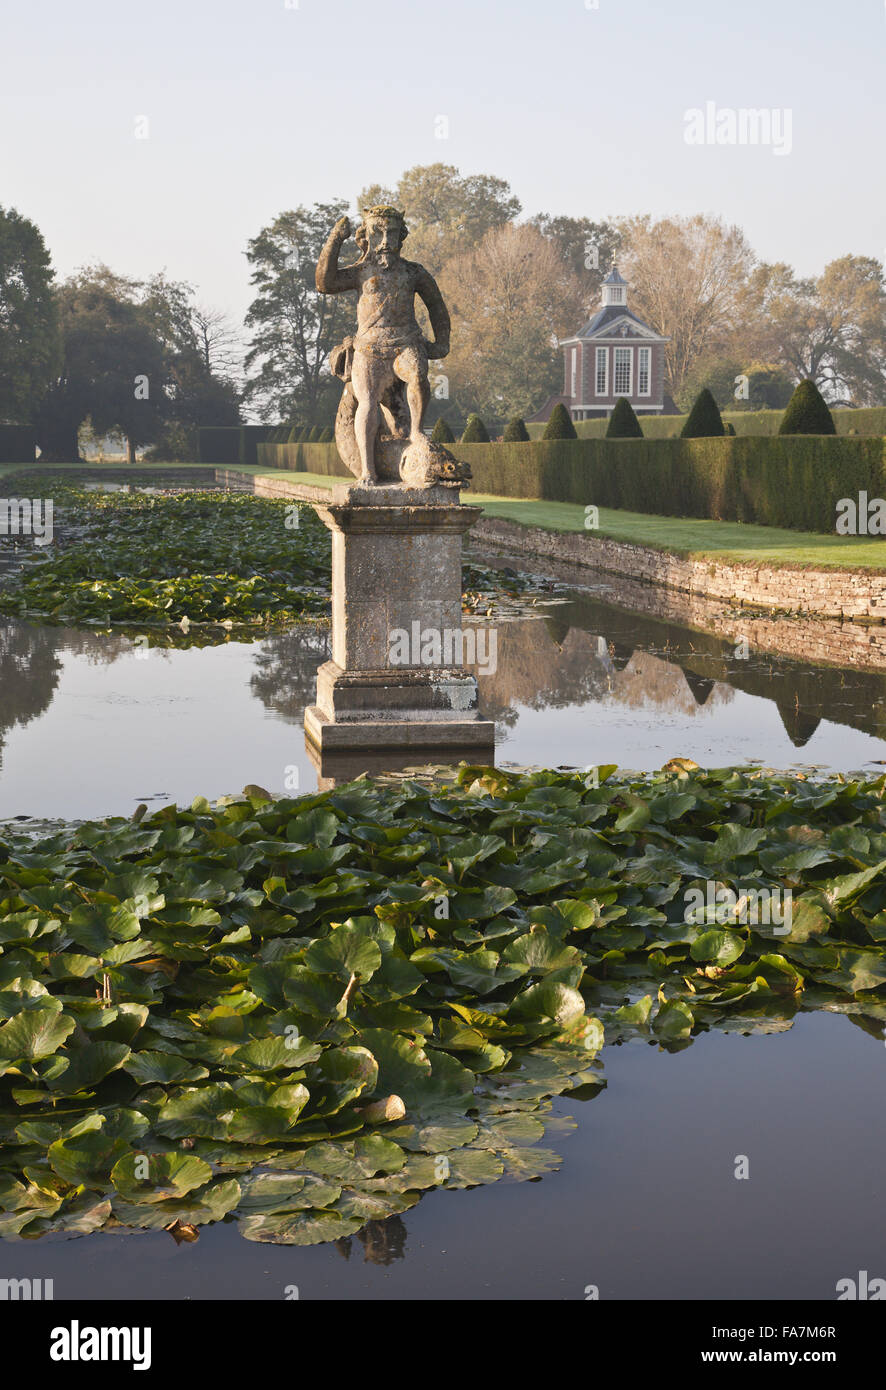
<point>867,422</point>
<point>303,458</point>
<point>792,481</point>
<point>18,444</point>
<point>218,444</point>
<point>230,443</point>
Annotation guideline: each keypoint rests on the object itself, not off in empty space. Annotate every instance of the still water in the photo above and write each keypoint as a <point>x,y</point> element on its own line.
<point>646,1204</point>
<point>91,724</point>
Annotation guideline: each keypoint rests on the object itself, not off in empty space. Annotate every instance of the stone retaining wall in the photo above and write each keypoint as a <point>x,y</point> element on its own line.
<point>853,595</point>
<point>265,485</point>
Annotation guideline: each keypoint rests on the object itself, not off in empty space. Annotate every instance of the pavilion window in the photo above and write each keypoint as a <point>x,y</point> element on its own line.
<point>644,356</point>
<point>602,375</point>
<point>622,371</point>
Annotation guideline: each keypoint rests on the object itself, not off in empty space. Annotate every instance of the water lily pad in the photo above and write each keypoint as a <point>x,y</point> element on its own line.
<point>156,1176</point>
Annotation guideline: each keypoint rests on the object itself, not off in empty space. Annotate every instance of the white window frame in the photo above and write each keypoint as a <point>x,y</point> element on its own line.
<point>602,354</point>
<point>617,294</point>
<point>630,390</point>
<point>574,376</point>
<point>644,354</point>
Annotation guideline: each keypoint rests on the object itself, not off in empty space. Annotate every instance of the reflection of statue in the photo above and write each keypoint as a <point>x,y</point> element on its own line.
<point>385,367</point>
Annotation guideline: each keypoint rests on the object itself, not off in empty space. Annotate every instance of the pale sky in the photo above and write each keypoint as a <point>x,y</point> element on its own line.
<point>255,106</point>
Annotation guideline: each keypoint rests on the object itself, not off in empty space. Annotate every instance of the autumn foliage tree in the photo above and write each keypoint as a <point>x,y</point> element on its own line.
<point>510,299</point>
<point>687,275</point>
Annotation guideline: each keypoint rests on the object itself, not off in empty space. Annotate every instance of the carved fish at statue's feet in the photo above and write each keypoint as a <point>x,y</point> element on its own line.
<point>426,464</point>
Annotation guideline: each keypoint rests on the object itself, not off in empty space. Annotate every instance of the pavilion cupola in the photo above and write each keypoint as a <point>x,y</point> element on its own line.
<point>615,289</point>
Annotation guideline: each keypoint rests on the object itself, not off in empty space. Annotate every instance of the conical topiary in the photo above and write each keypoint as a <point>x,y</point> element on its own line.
<point>623,422</point>
<point>327,436</point>
<point>807,412</point>
<point>704,420</point>
<point>560,425</point>
<point>516,432</point>
<point>304,434</point>
<point>441,433</point>
<point>294,434</point>
<point>475,431</point>
<point>729,428</point>
<point>314,437</point>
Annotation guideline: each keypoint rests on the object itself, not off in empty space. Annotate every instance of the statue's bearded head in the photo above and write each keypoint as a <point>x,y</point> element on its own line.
<point>381,234</point>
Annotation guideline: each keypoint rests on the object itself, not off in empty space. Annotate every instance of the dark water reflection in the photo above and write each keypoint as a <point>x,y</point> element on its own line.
<point>91,723</point>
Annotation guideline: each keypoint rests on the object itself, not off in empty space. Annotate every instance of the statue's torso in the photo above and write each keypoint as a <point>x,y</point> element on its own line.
<point>386,320</point>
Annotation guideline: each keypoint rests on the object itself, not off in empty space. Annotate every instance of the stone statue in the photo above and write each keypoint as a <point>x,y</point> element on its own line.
<point>385,367</point>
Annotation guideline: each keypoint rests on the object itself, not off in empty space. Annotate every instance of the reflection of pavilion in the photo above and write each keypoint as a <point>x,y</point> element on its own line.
<point>593,650</point>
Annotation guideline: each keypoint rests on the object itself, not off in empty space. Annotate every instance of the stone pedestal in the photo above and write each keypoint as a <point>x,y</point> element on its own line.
<point>396,583</point>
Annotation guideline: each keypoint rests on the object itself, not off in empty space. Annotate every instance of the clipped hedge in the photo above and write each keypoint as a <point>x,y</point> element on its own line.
<point>225,444</point>
<point>868,422</point>
<point>18,444</point>
<point>793,482</point>
<point>303,458</point>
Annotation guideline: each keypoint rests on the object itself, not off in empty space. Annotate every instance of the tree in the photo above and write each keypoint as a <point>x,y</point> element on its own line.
<point>623,422</point>
<point>831,330</point>
<point>510,299</point>
<point>560,424</point>
<point>589,249</point>
<point>30,345</point>
<point>112,367</point>
<point>769,387</point>
<point>687,276</point>
<point>294,328</point>
<point>516,431</point>
<point>441,433</point>
<point>704,420</point>
<point>807,412</point>
<point>716,373</point>
<point>131,363</point>
<point>218,342</point>
<point>193,393</point>
<point>447,214</point>
<point>475,431</point>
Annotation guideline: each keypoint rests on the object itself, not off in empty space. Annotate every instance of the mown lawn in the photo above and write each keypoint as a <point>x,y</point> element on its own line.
<point>715,540</point>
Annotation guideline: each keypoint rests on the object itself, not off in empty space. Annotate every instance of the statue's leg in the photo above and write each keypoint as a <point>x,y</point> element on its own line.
<point>367,389</point>
<point>411,366</point>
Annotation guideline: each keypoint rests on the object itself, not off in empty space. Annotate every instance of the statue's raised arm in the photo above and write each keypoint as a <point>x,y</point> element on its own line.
<point>385,365</point>
<point>330,278</point>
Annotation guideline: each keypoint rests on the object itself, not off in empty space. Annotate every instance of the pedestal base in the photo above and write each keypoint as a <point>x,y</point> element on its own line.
<point>436,737</point>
